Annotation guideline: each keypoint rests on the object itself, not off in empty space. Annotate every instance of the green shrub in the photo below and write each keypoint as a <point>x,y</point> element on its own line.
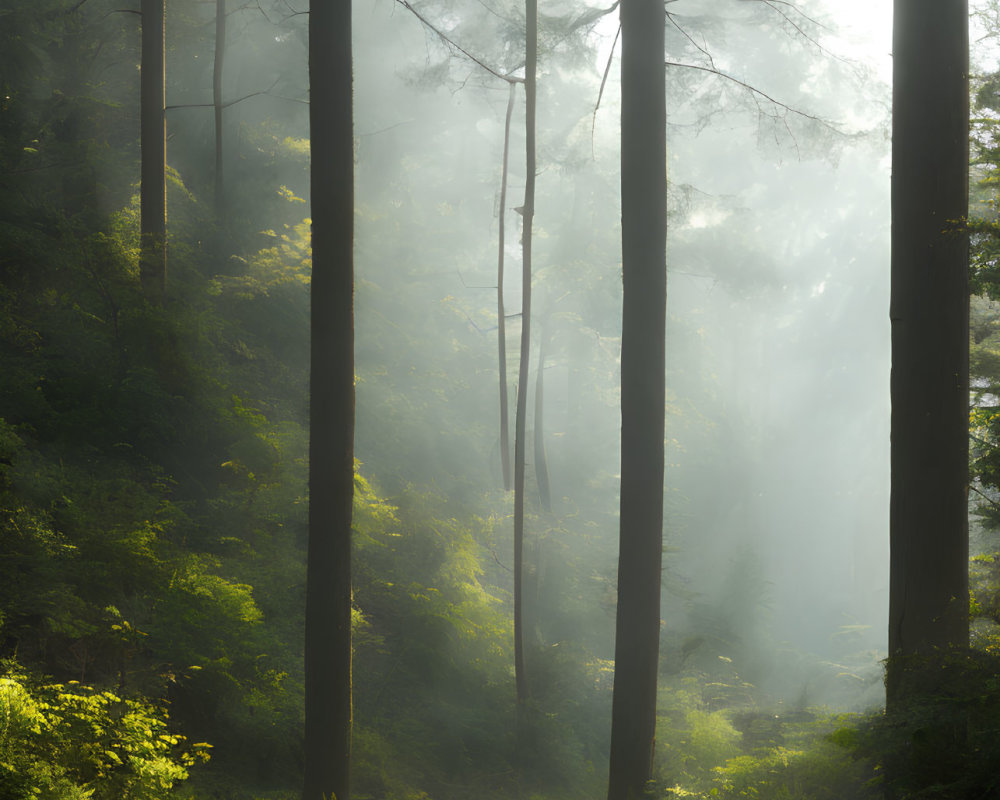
<point>71,741</point>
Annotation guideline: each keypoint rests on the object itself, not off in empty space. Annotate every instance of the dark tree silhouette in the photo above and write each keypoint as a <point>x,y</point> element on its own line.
<point>644,230</point>
<point>928,590</point>
<point>331,439</point>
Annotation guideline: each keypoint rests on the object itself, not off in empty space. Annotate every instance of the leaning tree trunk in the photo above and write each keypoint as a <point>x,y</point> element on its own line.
<point>528,213</point>
<point>928,522</point>
<point>644,229</point>
<point>153,156</point>
<point>331,438</point>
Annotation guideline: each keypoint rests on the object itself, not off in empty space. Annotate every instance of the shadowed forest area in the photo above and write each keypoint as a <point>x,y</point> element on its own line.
<point>155,388</point>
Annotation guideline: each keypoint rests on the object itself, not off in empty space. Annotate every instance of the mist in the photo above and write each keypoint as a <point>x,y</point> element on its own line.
<point>776,496</point>
<point>778,338</point>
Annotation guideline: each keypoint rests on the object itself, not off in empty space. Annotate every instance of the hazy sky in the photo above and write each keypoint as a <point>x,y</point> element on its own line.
<point>865,30</point>
<point>778,293</point>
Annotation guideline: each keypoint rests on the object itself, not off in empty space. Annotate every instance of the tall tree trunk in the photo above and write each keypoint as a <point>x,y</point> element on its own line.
<point>153,155</point>
<point>528,213</point>
<point>331,440</point>
<point>217,103</point>
<point>644,229</point>
<point>501,313</point>
<point>541,462</point>
<point>928,524</point>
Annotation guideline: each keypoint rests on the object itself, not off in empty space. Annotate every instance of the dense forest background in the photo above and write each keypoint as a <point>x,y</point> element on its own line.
<point>153,457</point>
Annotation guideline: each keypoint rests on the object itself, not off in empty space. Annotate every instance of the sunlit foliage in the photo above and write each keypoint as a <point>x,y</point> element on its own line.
<point>71,741</point>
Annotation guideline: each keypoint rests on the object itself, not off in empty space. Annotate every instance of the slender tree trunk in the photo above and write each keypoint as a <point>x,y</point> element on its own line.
<point>328,713</point>
<point>541,462</point>
<point>928,525</point>
<point>153,156</point>
<point>528,213</point>
<point>217,102</point>
<point>644,228</point>
<point>501,313</point>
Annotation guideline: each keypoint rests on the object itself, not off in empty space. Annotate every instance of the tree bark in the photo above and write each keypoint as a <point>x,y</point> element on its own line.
<point>501,313</point>
<point>644,228</point>
<point>153,155</point>
<point>928,525</point>
<point>528,213</point>
<point>328,712</point>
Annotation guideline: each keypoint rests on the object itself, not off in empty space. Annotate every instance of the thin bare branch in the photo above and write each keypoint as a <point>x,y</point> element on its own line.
<point>385,129</point>
<point>499,562</point>
<point>461,277</point>
<point>256,6</point>
<point>600,94</point>
<point>237,100</point>
<point>493,11</point>
<point>293,11</point>
<point>248,96</point>
<point>756,93</point>
<point>773,5</point>
<point>794,7</point>
<point>452,43</point>
<point>703,49</point>
<point>985,497</point>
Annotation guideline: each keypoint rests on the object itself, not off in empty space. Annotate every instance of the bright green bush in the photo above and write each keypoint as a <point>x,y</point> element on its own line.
<point>71,742</point>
